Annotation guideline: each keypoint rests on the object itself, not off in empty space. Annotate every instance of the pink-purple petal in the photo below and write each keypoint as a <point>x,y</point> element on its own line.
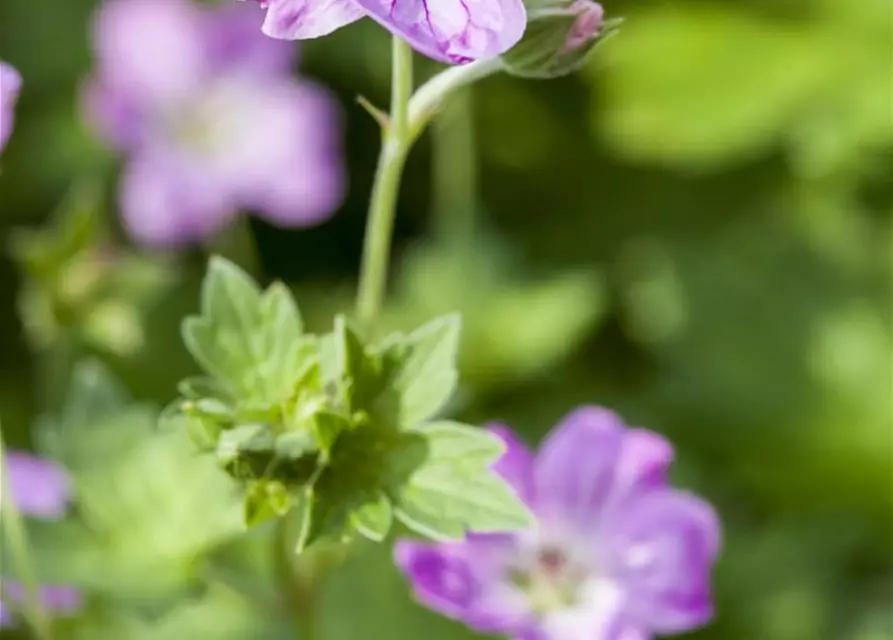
<point>663,547</point>
<point>166,200</point>
<point>233,42</point>
<point>645,457</point>
<point>282,155</point>
<point>304,19</point>
<point>574,468</point>
<point>516,464</point>
<point>39,487</point>
<point>152,49</point>
<point>10,85</point>
<point>113,114</point>
<point>442,578</point>
<point>452,31</point>
<point>62,600</point>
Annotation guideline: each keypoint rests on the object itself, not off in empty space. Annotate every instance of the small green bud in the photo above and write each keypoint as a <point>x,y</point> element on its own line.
<point>559,37</point>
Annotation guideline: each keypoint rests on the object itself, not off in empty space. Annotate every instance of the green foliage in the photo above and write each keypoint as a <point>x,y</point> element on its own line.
<point>334,423</point>
<point>514,326</point>
<point>147,508</point>
<point>78,285</point>
<point>714,83</point>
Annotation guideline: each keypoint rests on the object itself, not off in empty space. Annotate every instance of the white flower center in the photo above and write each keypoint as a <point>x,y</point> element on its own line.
<point>565,587</point>
<point>552,581</point>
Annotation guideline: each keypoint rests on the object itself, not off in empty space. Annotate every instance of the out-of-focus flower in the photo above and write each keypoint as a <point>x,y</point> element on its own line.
<point>211,120</point>
<point>10,85</point>
<point>38,488</point>
<point>57,598</point>
<point>453,31</point>
<point>617,554</point>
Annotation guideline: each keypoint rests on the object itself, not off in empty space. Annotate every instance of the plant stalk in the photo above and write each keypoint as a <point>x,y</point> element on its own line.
<point>410,114</point>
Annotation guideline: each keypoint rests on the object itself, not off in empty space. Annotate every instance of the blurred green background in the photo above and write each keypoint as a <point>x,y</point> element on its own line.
<point>696,230</point>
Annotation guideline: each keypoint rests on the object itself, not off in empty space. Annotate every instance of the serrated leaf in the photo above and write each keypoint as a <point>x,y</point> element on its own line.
<point>405,380</point>
<point>357,370</point>
<point>424,374</point>
<point>373,519</point>
<point>265,499</point>
<point>245,439</point>
<point>327,426</point>
<point>249,340</point>
<point>295,444</point>
<point>454,491</point>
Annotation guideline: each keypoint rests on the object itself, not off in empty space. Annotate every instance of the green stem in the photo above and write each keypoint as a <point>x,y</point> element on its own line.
<point>454,170</point>
<point>17,539</point>
<point>408,119</point>
<point>383,204</point>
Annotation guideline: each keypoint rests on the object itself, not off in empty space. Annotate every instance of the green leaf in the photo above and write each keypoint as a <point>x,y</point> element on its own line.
<point>455,491</point>
<point>346,495</point>
<point>265,499</point>
<point>405,380</point>
<point>424,369</point>
<point>251,341</point>
<point>88,430</point>
<point>243,439</point>
<point>373,519</point>
<point>358,372</point>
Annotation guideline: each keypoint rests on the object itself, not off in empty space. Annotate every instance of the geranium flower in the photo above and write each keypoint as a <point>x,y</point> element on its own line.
<point>211,120</point>
<point>453,31</point>
<point>39,488</point>
<point>617,554</point>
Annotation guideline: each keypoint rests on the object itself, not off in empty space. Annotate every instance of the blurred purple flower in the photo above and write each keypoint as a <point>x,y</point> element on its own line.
<point>57,598</point>
<point>453,31</point>
<point>10,85</point>
<point>211,119</point>
<point>617,555</point>
<point>38,488</point>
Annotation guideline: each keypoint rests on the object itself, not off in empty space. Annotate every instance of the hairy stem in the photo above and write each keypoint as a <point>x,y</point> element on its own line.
<point>383,204</point>
<point>408,118</point>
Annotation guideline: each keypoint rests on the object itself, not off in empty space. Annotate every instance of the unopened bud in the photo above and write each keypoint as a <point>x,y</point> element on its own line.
<point>558,39</point>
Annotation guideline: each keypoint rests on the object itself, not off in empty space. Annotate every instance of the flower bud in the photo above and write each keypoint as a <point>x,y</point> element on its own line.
<point>558,38</point>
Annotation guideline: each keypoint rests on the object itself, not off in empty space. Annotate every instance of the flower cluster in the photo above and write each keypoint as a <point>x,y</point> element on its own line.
<point>617,553</point>
<point>10,85</point>
<point>211,120</point>
<point>38,488</point>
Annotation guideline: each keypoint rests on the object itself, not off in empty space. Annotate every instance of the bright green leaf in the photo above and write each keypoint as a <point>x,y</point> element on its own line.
<point>455,491</point>
<point>242,440</point>
<point>265,499</point>
<point>373,519</point>
<point>424,369</point>
<point>251,341</point>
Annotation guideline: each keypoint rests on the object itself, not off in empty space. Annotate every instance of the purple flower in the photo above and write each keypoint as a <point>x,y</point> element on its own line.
<point>454,31</point>
<point>211,120</point>
<point>10,85</point>
<point>57,598</point>
<point>38,488</point>
<point>617,555</point>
